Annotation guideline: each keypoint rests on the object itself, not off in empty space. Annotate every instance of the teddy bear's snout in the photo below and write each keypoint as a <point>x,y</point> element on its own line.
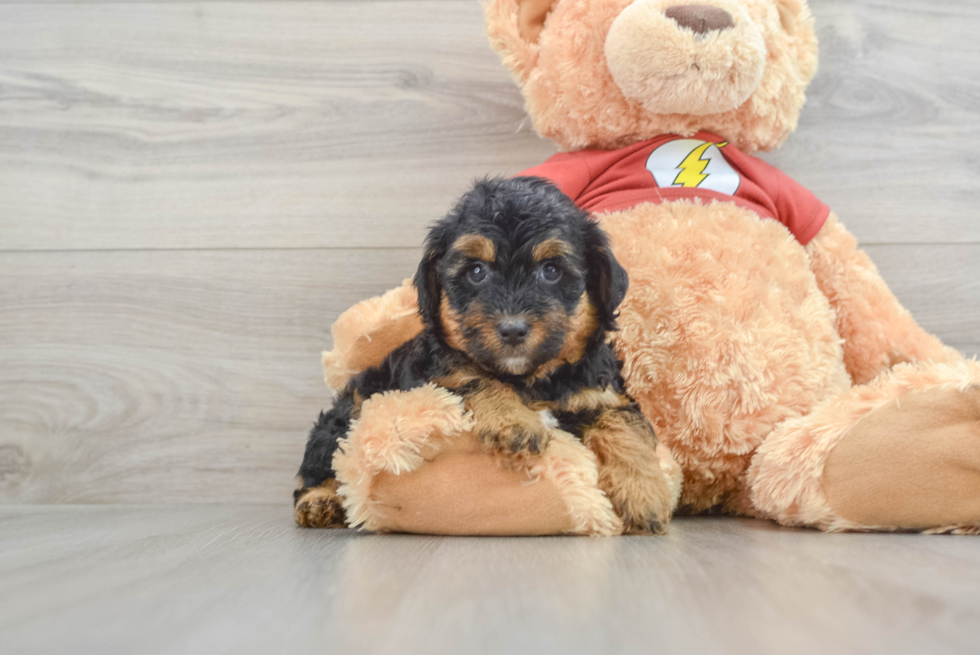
<point>682,57</point>
<point>700,18</point>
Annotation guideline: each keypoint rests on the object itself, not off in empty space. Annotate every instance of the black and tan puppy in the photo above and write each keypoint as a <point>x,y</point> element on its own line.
<point>517,290</point>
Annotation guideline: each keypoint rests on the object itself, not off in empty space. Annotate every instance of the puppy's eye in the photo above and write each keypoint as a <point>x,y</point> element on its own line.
<point>550,273</point>
<point>476,273</point>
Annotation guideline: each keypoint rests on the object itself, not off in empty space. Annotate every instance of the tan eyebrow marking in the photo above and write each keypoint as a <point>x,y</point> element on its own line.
<point>476,246</point>
<point>550,248</point>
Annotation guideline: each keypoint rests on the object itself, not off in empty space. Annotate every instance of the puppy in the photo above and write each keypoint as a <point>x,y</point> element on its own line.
<point>517,291</point>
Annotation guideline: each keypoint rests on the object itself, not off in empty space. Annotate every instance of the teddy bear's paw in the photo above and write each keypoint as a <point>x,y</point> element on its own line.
<point>320,507</point>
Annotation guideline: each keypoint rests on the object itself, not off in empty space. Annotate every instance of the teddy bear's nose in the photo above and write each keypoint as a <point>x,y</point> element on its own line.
<point>700,18</point>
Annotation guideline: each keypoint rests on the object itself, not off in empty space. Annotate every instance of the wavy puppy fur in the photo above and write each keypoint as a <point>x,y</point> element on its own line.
<point>517,290</point>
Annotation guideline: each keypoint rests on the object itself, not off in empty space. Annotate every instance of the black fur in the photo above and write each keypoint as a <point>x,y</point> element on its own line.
<point>515,214</point>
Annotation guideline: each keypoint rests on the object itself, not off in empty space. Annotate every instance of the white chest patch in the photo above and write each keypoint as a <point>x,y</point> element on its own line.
<point>693,163</point>
<point>548,419</point>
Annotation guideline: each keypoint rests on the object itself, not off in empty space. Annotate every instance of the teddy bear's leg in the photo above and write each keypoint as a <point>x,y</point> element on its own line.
<point>413,462</point>
<point>365,334</point>
<point>630,473</point>
<point>362,337</point>
<point>877,331</point>
<point>901,453</point>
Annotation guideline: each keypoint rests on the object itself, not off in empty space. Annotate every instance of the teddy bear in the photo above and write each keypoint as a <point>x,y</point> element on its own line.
<point>782,377</point>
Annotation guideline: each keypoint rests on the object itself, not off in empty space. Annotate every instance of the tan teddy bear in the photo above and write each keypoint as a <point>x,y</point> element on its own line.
<point>781,375</point>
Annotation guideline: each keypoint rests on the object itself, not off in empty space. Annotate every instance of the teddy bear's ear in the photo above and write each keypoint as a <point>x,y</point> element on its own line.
<point>791,12</point>
<point>530,17</point>
<point>513,27</point>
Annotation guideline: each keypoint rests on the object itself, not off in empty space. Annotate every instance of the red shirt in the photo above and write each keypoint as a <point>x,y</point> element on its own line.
<point>673,168</point>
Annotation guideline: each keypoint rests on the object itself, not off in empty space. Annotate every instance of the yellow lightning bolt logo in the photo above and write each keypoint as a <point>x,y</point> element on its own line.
<point>692,168</point>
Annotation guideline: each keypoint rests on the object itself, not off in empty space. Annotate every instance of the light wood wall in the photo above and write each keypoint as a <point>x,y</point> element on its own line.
<point>191,192</point>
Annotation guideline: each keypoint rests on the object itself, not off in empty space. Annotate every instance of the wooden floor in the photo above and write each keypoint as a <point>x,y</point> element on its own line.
<point>220,579</point>
<point>191,192</point>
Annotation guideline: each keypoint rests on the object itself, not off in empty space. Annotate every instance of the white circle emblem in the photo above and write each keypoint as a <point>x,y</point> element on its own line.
<point>693,163</point>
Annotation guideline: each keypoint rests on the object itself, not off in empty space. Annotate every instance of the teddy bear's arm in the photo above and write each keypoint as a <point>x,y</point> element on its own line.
<point>878,331</point>
<point>316,502</point>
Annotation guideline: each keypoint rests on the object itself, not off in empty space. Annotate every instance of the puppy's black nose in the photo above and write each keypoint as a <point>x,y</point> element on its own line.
<point>512,331</point>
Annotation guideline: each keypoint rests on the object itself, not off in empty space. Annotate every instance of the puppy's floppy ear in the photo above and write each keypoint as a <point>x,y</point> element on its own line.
<point>427,280</point>
<point>607,281</point>
<point>513,27</point>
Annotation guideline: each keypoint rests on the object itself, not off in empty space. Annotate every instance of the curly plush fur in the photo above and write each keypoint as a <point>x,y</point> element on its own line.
<point>737,339</point>
<point>724,335</point>
<point>517,290</point>
<point>787,380</point>
<point>574,100</point>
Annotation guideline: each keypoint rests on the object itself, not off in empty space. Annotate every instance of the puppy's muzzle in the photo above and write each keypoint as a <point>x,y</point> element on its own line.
<point>512,331</point>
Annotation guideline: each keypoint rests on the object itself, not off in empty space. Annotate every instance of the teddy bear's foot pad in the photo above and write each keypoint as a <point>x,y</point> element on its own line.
<point>912,464</point>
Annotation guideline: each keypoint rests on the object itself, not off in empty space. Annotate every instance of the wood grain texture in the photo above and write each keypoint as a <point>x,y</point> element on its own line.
<point>354,124</point>
<point>220,579</point>
<point>193,376</point>
<point>255,125</point>
<point>940,285</point>
<point>145,377</point>
<point>133,374</point>
<point>191,192</point>
<point>890,134</point>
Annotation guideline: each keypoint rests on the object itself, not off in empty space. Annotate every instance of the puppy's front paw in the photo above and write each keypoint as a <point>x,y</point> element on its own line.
<point>651,525</point>
<point>320,507</point>
<point>646,510</point>
<point>518,438</point>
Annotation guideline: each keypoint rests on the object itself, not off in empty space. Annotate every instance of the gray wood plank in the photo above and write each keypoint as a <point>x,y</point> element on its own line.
<point>192,376</point>
<point>345,123</point>
<point>182,376</point>
<point>245,580</point>
<point>940,285</point>
<point>253,125</point>
<point>891,128</point>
